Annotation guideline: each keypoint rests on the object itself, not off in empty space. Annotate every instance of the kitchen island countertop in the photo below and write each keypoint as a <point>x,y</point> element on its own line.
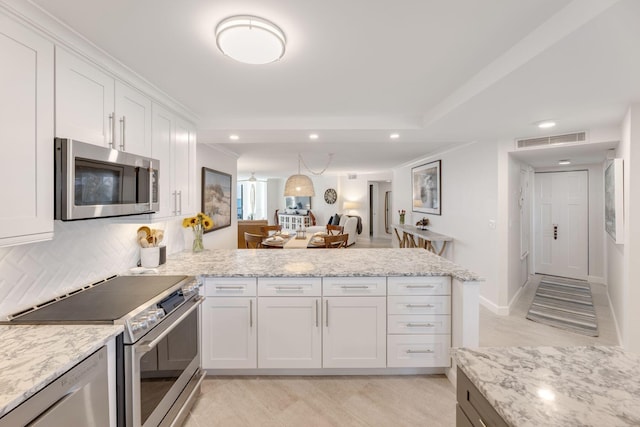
<point>314,263</point>
<point>557,386</point>
<point>32,356</point>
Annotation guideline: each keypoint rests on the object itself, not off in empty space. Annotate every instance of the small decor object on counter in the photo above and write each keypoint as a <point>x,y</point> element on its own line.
<point>423,223</point>
<point>198,223</point>
<point>402,213</point>
<point>149,239</point>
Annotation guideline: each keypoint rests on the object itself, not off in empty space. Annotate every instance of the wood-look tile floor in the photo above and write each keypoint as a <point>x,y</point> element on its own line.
<point>423,400</point>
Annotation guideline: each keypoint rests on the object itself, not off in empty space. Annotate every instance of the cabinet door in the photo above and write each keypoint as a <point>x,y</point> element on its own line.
<point>133,114</point>
<point>164,129</point>
<point>289,332</point>
<point>84,101</point>
<point>184,156</point>
<point>26,135</point>
<point>229,333</point>
<point>354,332</point>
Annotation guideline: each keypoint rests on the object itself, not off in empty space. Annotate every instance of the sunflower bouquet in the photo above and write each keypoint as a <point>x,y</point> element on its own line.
<point>198,223</point>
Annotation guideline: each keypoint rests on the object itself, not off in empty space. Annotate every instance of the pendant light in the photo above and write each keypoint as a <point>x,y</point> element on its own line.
<point>299,185</point>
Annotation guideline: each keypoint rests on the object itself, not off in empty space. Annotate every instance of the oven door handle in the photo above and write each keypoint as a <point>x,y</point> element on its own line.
<point>147,346</point>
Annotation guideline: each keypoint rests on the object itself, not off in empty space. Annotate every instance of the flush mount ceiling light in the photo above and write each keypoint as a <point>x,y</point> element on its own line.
<point>564,162</point>
<point>394,136</point>
<point>546,124</point>
<point>250,39</point>
<point>234,137</point>
<point>313,136</point>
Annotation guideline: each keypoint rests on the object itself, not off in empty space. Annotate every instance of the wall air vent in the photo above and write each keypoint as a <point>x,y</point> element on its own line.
<point>552,140</point>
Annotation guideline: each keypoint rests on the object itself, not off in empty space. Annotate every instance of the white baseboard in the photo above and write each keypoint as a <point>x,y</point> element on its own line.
<point>615,321</point>
<point>596,279</point>
<point>496,309</point>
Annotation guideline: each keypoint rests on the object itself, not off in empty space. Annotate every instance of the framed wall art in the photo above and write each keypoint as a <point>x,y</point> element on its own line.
<point>613,200</point>
<point>426,185</point>
<point>216,197</point>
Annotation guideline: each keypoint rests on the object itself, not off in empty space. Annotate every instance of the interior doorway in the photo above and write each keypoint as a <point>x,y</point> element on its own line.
<point>561,216</point>
<point>379,209</point>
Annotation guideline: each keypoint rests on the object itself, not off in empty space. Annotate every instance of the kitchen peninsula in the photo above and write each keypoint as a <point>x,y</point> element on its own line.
<point>429,304</point>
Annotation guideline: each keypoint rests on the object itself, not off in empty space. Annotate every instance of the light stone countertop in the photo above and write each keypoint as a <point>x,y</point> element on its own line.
<point>557,386</point>
<point>32,356</point>
<point>313,263</point>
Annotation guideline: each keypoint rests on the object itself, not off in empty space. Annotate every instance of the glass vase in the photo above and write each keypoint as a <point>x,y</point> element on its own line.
<point>401,219</point>
<point>198,245</point>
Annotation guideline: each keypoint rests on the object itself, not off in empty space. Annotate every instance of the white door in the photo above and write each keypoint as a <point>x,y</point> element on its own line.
<point>354,332</point>
<point>562,224</point>
<point>290,333</point>
<point>229,333</point>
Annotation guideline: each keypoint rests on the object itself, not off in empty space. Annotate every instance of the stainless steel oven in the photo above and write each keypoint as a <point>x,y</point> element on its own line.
<point>94,182</point>
<point>162,367</point>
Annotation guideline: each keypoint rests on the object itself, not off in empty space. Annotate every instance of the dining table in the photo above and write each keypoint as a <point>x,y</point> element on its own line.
<point>292,241</point>
<point>416,237</point>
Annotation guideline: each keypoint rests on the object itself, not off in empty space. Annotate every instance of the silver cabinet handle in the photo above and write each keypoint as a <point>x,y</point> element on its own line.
<point>146,346</point>
<point>251,313</point>
<point>112,129</point>
<point>229,288</point>
<point>420,325</point>
<point>179,193</point>
<point>326,313</point>
<point>316,313</point>
<point>289,288</point>
<point>354,287</point>
<point>122,132</point>
<point>419,305</point>
<point>175,202</point>
<point>419,351</point>
<point>420,286</point>
<point>150,185</point>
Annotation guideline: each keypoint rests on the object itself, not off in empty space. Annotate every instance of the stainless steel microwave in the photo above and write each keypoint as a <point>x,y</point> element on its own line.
<point>96,182</point>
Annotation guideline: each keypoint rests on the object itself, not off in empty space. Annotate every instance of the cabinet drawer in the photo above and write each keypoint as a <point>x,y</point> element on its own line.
<point>436,304</point>
<point>290,286</point>
<point>354,286</point>
<point>230,287</point>
<point>418,351</point>
<point>419,324</point>
<point>436,285</point>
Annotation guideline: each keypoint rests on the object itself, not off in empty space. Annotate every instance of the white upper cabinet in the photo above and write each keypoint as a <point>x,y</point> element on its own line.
<point>84,101</point>
<point>174,145</point>
<point>133,116</point>
<point>94,107</point>
<point>26,135</point>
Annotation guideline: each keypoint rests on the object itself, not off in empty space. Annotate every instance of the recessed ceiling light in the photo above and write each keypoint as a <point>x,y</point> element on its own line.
<point>250,39</point>
<point>564,162</point>
<point>394,136</point>
<point>313,136</point>
<point>234,137</point>
<point>546,124</point>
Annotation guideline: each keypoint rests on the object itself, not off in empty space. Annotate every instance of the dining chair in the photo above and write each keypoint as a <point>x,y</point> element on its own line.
<point>333,230</point>
<point>253,241</point>
<point>337,241</point>
<point>266,229</point>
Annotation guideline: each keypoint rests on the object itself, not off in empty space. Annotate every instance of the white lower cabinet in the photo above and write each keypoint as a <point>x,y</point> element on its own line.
<point>229,324</point>
<point>290,332</point>
<point>354,332</point>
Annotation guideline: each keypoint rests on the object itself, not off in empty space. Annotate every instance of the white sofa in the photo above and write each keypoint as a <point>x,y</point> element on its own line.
<point>349,223</point>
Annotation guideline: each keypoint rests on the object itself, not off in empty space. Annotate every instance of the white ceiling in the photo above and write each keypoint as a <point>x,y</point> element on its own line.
<point>438,72</point>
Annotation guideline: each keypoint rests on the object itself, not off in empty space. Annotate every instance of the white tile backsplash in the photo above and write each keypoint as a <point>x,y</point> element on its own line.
<point>81,252</point>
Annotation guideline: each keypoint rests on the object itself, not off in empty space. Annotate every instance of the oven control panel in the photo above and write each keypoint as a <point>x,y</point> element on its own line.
<point>145,320</point>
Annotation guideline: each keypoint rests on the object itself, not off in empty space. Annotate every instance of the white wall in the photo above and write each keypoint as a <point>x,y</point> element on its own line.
<point>623,268</point>
<point>222,161</point>
<point>469,202</point>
